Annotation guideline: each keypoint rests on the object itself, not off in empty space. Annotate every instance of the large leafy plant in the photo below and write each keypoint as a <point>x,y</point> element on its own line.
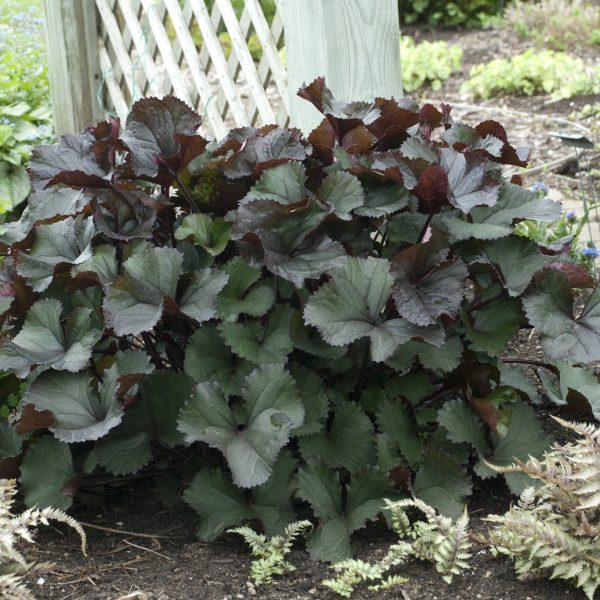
<point>320,320</point>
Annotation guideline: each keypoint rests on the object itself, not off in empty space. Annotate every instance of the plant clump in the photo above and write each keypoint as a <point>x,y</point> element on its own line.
<point>437,540</point>
<point>428,63</point>
<point>292,325</point>
<point>554,529</point>
<point>271,552</point>
<point>534,72</point>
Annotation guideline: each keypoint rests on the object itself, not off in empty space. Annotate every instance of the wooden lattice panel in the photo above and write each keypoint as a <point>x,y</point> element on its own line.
<point>160,47</point>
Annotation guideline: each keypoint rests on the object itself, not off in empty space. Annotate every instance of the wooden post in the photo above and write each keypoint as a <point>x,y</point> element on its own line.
<point>354,44</point>
<point>72,45</point>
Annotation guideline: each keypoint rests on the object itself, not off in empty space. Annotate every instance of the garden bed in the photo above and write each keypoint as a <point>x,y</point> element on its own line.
<point>168,562</point>
<point>140,549</point>
<point>176,566</point>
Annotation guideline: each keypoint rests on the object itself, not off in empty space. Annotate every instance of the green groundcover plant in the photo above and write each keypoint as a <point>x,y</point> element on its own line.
<point>25,114</point>
<point>289,323</point>
<point>427,63</point>
<point>534,72</point>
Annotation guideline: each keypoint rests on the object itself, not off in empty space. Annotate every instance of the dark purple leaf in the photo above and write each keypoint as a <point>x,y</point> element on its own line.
<point>432,188</point>
<point>509,155</point>
<point>262,151</point>
<point>468,182</point>
<point>161,137</point>
<point>426,284</point>
<point>284,238</point>
<point>71,161</point>
<point>122,214</point>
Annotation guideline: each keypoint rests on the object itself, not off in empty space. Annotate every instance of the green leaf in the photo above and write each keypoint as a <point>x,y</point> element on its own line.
<point>103,263</point>
<point>283,183</point>
<point>10,442</point>
<point>463,425</point>
<point>320,487</point>
<point>153,418</point>
<point>442,483</point>
<point>579,381</point>
<point>272,409</point>
<point>492,326</point>
<point>490,223</point>
<point>518,259</point>
<point>240,295</point>
<point>424,287</point>
<point>312,344</point>
<point>549,308</point>
<point>405,227</point>
<point>344,192</point>
<point>134,301</point>
<point>80,412</point>
<point>515,377</point>
<point>208,359</point>
<point>221,504</point>
<point>382,199</point>
<point>210,234</point>
<point>46,343</point>
<point>444,358</point>
<point>525,437</point>
<point>67,241</point>
<point>198,301</point>
<point>261,345</point>
<point>314,399</point>
<point>46,470</point>
<point>394,419</point>
<point>349,442</point>
<point>14,184</point>
<point>350,307</point>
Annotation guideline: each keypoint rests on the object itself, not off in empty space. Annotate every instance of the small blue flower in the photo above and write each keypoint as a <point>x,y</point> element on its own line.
<point>591,252</point>
<point>571,216</point>
<point>539,187</point>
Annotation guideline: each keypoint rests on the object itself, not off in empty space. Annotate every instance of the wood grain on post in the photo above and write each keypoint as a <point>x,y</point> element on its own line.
<point>73,64</point>
<point>354,44</point>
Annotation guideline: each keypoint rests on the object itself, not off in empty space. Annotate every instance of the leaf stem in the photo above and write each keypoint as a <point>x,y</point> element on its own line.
<point>151,348</point>
<point>530,361</point>
<point>481,303</point>
<point>186,193</point>
<point>425,227</point>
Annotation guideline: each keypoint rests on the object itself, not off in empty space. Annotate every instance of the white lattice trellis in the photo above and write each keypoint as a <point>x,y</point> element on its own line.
<point>148,47</point>
<point>105,54</point>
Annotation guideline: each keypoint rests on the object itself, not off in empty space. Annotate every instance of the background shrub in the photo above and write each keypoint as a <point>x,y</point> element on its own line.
<point>556,24</point>
<point>439,12</point>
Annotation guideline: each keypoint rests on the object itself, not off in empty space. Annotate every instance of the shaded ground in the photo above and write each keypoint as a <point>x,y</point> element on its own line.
<point>175,566</point>
<point>168,563</point>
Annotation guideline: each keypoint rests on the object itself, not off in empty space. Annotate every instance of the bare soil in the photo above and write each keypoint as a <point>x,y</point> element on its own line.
<point>173,565</point>
<point>167,562</point>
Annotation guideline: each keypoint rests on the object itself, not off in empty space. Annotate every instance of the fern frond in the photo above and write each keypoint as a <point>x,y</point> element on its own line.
<point>554,530</point>
<point>15,528</point>
<point>271,552</point>
<point>13,588</point>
